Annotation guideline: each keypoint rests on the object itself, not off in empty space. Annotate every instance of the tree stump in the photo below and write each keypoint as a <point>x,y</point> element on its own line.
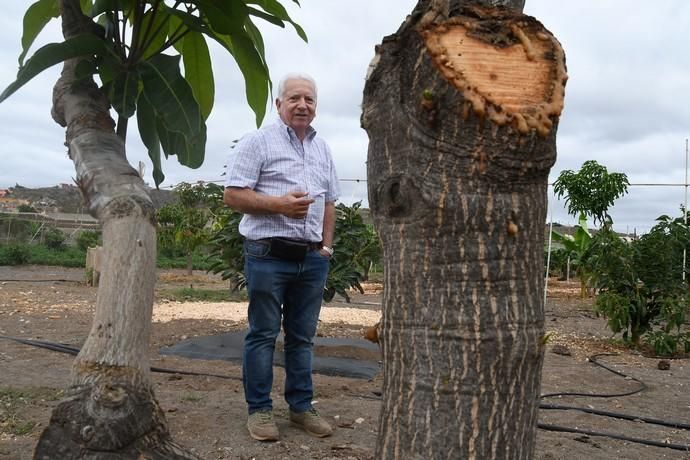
<point>461,107</point>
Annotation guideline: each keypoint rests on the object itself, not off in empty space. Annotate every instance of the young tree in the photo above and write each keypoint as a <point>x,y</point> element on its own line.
<point>591,191</point>
<point>110,410</point>
<point>461,106</point>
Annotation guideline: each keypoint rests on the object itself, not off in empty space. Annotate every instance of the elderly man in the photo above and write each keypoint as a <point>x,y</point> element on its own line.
<point>283,179</point>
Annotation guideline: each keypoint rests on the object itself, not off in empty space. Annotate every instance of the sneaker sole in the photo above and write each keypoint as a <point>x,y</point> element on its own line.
<point>263,438</point>
<point>318,435</point>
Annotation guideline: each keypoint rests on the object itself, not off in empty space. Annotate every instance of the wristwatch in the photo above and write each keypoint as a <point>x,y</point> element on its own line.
<point>328,249</point>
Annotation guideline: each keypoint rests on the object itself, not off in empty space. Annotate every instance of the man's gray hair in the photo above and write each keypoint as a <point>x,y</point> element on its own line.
<point>295,76</point>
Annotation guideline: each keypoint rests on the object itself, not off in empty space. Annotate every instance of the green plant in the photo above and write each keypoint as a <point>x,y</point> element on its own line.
<point>591,191</point>
<point>186,225</point>
<point>576,248</point>
<point>88,239</point>
<point>53,238</point>
<point>356,249</point>
<point>642,292</point>
<point>25,208</point>
<point>14,254</point>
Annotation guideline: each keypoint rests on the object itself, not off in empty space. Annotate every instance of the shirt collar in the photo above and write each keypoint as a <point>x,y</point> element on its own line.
<point>290,133</point>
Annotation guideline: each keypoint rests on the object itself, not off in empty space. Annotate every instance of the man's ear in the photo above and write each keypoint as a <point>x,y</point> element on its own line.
<point>278,103</point>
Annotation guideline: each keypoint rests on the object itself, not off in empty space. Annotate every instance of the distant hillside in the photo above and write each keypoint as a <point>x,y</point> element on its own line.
<point>67,197</point>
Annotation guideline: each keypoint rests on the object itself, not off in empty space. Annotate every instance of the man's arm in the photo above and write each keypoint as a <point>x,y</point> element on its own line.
<point>247,201</point>
<point>328,226</point>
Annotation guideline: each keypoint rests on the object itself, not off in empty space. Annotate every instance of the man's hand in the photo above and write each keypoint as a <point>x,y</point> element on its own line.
<point>295,205</point>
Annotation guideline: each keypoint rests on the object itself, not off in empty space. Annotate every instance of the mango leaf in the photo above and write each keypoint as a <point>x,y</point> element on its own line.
<point>223,16</point>
<point>35,19</point>
<point>274,8</point>
<point>267,17</point>
<point>170,94</point>
<point>158,40</point>
<point>86,6</point>
<point>54,53</point>
<point>179,124</point>
<point>198,71</point>
<point>123,92</point>
<point>255,35</point>
<point>146,122</point>
<point>190,150</point>
<point>103,6</point>
<point>246,54</point>
<point>253,68</point>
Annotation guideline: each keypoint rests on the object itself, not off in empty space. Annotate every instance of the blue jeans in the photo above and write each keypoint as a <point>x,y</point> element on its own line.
<point>291,291</point>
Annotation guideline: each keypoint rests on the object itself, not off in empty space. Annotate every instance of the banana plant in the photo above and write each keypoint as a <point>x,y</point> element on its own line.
<point>576,247</point>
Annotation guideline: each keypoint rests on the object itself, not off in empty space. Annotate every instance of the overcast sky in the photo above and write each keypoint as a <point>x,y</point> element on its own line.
<point>626,100</point>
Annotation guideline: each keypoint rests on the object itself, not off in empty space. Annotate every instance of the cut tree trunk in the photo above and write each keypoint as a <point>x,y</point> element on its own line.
<point>461,107</point>
<point>110,410</point>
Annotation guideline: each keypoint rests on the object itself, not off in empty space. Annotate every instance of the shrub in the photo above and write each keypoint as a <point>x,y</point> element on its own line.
<point>14,254</point>
<point>88,239</point>
<point>54,239</point>
<point>25,208</point>
<point>642,293</point>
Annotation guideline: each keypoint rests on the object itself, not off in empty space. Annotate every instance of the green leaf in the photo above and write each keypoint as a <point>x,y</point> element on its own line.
<point>170,95</point>
<point>54,53</point>
<point>103,6</point>
<point>190,150</point>
<point>35,19</point>
<point>255,35</point>
<point>267,17</point>
<point>253,68</point>
<point>156,43</point>
<point>86,6</point>
<point>123,92</point>
<point>223,16</point>
<point>274,8</point>
<point>146,122</point>
<point>198,71</point>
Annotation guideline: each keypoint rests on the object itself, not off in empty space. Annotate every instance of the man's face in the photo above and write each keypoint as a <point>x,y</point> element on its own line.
<point>297,107</point>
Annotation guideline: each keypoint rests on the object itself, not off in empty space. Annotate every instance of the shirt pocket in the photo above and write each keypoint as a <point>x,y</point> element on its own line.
<point>320,175</point>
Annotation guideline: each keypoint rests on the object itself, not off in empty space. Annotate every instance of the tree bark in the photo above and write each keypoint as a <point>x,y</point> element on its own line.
<point>461,107</point>
<point>110,410</point>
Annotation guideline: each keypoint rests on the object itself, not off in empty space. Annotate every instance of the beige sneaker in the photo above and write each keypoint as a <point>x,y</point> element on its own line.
<point>311,422</point>
<point>262,427</point>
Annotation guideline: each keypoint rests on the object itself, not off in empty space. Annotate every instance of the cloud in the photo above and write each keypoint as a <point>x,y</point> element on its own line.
<point>624,102</point>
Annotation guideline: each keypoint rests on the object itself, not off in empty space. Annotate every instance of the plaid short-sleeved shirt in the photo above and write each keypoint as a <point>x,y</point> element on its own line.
<point>272,161</point>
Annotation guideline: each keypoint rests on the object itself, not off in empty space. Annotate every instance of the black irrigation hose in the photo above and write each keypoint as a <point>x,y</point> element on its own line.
<point>40,281</point>
<point>74,351</point>
<point>546,426</point>
<point>593,359</point>
<point>603,413</point>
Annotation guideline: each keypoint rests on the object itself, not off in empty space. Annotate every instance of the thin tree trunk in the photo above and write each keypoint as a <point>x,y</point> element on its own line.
<point>110,410</point>
<point>461,107</point>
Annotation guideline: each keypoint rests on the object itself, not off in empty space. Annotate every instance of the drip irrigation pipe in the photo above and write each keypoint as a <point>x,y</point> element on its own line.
<point>603,413</point>
<point>62,348</point>
<point>648,442</point>
<point>593,359</point>
<point>41,281</point>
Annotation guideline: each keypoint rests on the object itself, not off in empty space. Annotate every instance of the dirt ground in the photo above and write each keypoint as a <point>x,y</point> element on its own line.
<point>207,414</point>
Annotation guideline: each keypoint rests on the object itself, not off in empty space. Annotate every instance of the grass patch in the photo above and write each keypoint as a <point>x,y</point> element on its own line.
<point>13,402</point>
<point>203,295</point>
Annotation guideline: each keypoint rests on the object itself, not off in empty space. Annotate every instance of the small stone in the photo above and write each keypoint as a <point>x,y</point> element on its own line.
<point>663,365</point>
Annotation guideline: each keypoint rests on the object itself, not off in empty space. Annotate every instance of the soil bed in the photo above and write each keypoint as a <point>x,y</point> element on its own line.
<point>207,413</point>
